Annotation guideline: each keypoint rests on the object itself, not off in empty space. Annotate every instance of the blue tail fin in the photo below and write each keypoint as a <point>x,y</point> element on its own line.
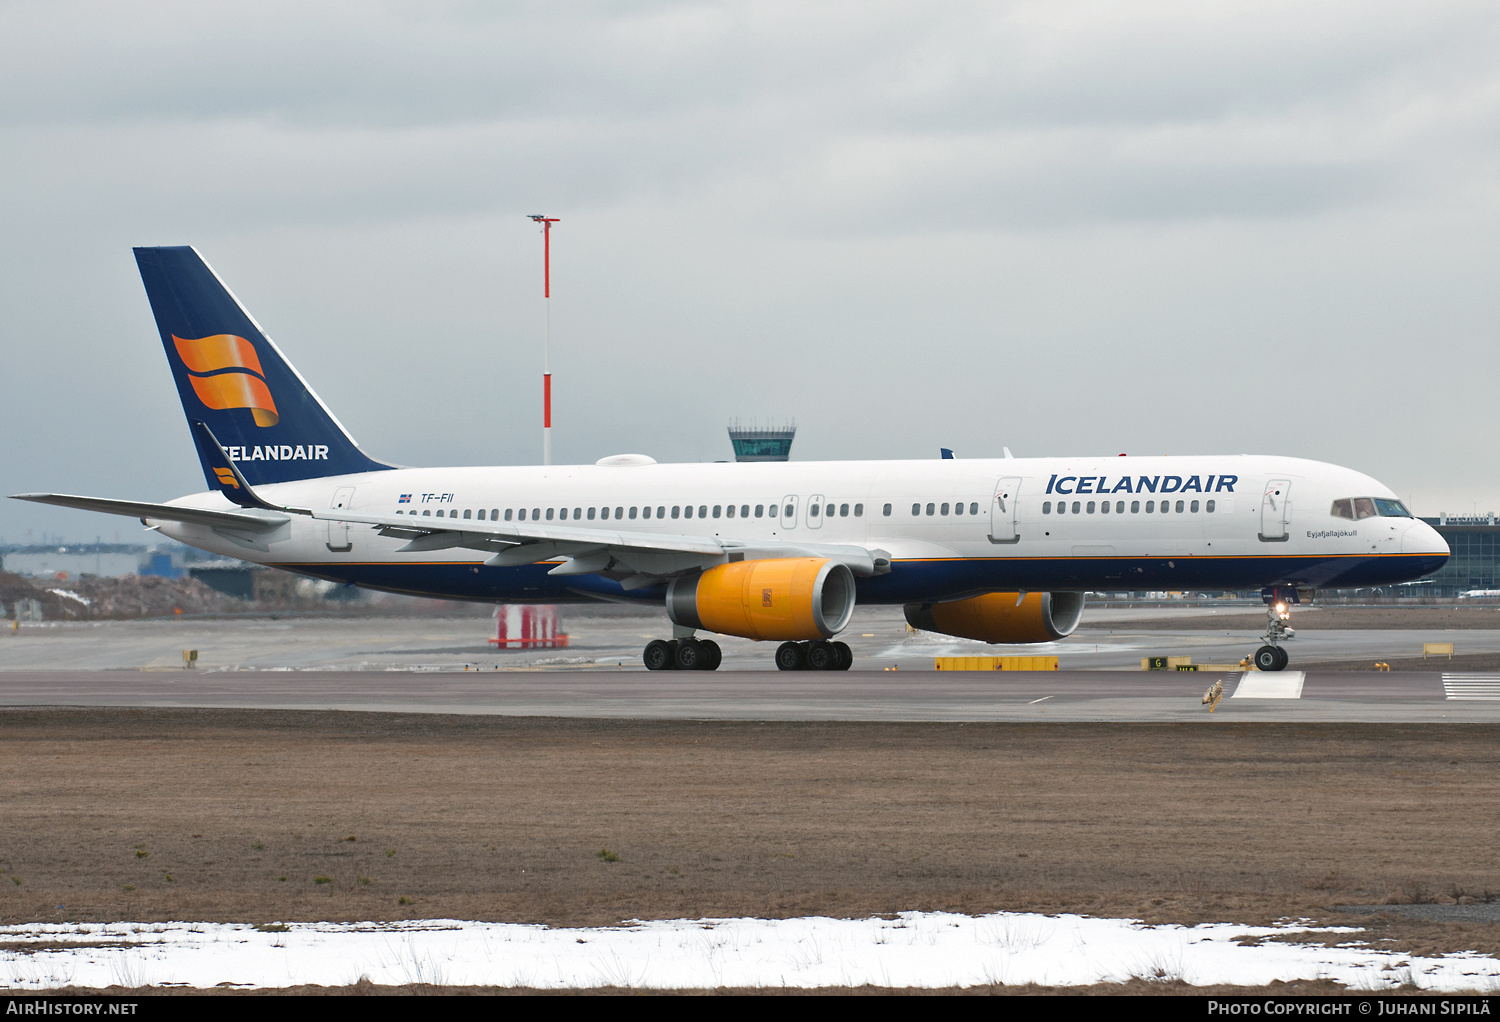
<point>231,377</point>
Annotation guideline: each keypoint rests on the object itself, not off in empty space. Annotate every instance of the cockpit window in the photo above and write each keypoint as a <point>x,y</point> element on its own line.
<point>1355,508</point>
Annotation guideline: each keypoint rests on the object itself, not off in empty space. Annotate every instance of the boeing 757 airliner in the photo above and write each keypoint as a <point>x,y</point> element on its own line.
<point>1001,550</point>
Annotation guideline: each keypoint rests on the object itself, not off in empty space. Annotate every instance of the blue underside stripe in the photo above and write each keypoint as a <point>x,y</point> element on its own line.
<point>909,581</point>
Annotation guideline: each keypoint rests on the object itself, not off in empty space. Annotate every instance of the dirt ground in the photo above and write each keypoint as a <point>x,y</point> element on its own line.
<point>258,816</point>
<point>1314,618</point>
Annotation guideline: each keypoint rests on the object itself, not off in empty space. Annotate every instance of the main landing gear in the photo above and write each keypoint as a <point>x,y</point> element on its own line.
<point>682,655</point>
<point>818,655</point>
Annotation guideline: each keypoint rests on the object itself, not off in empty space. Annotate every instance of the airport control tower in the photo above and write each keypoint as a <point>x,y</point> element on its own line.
<point>754,444</point>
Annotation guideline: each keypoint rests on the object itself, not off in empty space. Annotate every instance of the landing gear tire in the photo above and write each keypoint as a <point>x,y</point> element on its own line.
<point>790,657</point>
<point>846,656</point>
<point>690,655</point>
<point>713,656</point>
<point>821,656</point>
<point>658,655</point>
<point>1284,657</point>
<point>1270,658</point>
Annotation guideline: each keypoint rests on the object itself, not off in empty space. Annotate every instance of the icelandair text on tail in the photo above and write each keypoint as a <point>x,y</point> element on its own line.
<point>270,452</point>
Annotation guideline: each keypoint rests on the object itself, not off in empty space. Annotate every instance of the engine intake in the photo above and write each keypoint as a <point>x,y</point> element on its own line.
<point>781,598</point>
<point>999,617</point>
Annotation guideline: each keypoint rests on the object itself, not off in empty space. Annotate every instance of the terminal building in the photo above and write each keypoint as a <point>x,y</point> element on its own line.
<point>1475,562</point>
<point>752,444</point>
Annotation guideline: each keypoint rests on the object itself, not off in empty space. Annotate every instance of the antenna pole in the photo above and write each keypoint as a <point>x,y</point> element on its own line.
<point>546,222</point>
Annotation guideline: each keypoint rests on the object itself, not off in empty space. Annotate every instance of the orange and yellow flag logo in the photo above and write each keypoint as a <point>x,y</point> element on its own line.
<point>237,381</point>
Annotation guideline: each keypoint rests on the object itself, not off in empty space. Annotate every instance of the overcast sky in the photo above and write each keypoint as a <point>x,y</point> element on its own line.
<point>1066,228</point>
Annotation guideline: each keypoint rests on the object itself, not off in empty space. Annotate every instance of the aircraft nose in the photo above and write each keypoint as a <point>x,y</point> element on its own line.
<point>1422,538</point>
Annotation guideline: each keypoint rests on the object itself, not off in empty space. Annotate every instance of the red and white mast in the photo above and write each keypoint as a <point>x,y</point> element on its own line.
<point>546,222</point>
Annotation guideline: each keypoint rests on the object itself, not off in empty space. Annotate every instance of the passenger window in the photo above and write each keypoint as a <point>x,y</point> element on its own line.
<point>632,514</point>
<point>687,511</point>
<point>1150,506</point>
<point>759,510</point>
<point>931,508</point>
<point>1062,507</point>
<point>1364,507</point>
<point>886,511</point>
<point>744,510</point>
<point>916,509</point>
<point>718,508</point>
<point>619,512</point>
<point>958,509</point>
<point>591,514</point>
<point>661,512</point>
<point>536,514</point>
<point>1193,507</point>
<point>466,512</point>
<point>1091,507</point>
<point>944,509</point>
<point>1104,507</point>
<point>549,514</point>
<point>1209,507</point>
<point>494,514</point>
<point>843,510</point>
<point>729,511</point>
<point>1076,506</point>
<point>702,510</point>
<point>1046,507</point>
<point>1179,507</point>
<point>453,513</point>
<point>577,513</point>
<point>426,513</point>
<point>1135,507</point>
<point>1343,509</point>
<point>974,508</point>
<point>507,514</point>
<point>859,510</point>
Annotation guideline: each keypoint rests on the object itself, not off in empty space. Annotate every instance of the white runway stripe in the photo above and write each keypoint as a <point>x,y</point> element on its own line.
<point>1472,686</point>
<point>1270,685</point>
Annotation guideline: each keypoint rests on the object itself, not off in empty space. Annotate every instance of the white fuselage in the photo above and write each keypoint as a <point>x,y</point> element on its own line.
<point>951,527</point>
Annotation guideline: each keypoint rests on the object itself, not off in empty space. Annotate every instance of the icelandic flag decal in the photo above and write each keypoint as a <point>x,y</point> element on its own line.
<point>405,498</point>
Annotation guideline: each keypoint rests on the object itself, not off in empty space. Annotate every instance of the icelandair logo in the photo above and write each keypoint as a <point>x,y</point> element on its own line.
<point>237,380</point>
<point>226,478</point>
<point>1142,484</point>
<point>286,452</point>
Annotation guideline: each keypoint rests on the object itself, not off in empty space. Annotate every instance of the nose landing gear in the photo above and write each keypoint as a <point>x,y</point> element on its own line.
<point>1271,657</point>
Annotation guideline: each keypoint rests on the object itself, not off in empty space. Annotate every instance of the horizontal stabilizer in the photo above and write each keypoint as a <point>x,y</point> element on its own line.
<point>250,519</point>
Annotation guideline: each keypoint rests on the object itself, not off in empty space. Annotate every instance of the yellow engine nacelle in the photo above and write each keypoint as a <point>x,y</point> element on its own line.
<point>785,598</point>
<point>999,617</point>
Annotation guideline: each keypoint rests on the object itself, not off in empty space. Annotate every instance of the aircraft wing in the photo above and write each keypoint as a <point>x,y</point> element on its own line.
<point>591,551</point>
<point>254,520</point>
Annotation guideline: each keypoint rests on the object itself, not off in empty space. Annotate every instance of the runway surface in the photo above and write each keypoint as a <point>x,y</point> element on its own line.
<point>775,695</point>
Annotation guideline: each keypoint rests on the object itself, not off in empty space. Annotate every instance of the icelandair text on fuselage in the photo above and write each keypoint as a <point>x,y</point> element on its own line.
<point>68,1008</point>
<point>286,452</point>
<point>1270,1007</point>
<point>1143,484</point>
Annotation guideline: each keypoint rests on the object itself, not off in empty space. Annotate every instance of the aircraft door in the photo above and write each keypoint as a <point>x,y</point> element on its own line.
<point>1275,511</point>
<point>815,511</point>
<point>338,532</point>
<point>1003,509</point>
<point>788,512</point>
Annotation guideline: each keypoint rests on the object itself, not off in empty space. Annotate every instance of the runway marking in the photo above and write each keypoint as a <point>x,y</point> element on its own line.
<point>1270,685</point>
<point>1041,700</point>
<point>1472,686</point>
